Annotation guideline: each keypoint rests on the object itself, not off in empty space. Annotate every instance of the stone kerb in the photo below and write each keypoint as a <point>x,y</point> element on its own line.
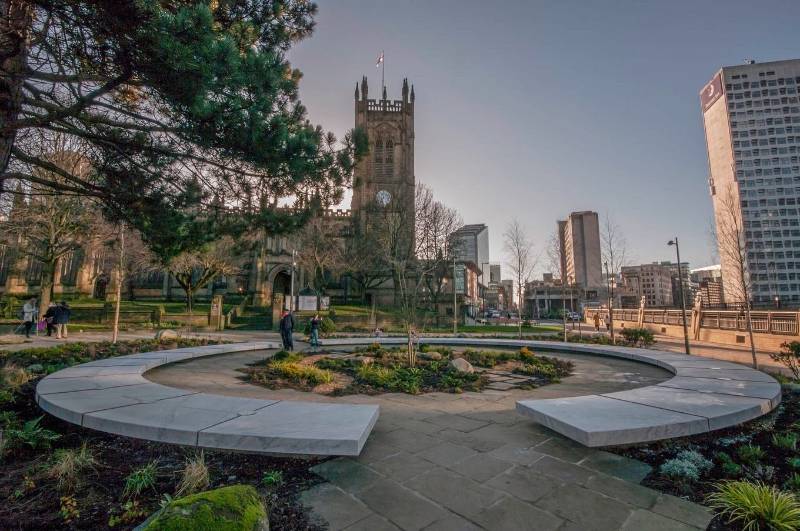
<point>113,396</point>
<point>704,395</point>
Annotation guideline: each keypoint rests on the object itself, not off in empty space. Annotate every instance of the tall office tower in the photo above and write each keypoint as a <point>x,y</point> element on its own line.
<point>580,249</point>
<point>751,116</point>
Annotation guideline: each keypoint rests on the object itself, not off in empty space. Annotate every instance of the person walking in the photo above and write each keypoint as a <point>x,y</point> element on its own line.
<point>596,321</point>
<point>287,327</point>
<point>49,318</point>
<point>608,322</point>
<point>63,313</point>
<point>315,323</point>
<point>29,313</point>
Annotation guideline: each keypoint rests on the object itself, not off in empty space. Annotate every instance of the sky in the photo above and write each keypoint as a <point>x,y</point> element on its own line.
<point>532,110</point>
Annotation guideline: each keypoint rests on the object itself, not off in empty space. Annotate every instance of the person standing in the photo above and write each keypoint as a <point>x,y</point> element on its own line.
<point>49,318</point>
<point>63,313</point>
<point>596,321</point>
<point>29,313</point>
<point>315,322</point>
<point>287,327</point>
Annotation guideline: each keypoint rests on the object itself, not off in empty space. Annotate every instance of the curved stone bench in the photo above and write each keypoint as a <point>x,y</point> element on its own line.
<point>704,395</point>
<point>111,395</point>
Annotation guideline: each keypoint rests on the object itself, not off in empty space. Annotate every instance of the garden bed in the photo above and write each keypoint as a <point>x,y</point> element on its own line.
<point>377,369</point>
<point>48,482</point>
<point>762,452</point>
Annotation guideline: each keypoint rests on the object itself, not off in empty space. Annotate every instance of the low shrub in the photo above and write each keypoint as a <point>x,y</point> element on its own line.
<point>526,355</point>
<point>69,464</point>
<point>302,374</point>
<point>140,479</point>
<point>545,367</point>
<point>30,434</point>
<point>751,454</point>
<point>727,465</point>
<point>793,483</point>
<point>375,375</point>
<point>794,462</point>
<point>687,466</point>
<point>789,357</point>
<point>194,476</point>
<point>13,377</point>
<point>785,441</point>
<point>272,478</point>
<point>755,506</point>
<point>638,337</point>
<point>488,358</point>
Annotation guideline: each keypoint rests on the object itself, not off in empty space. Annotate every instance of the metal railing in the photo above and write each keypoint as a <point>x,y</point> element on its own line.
<point>764,322</point>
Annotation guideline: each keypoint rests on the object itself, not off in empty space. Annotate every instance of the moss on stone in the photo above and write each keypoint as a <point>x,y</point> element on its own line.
<point>234,508</point>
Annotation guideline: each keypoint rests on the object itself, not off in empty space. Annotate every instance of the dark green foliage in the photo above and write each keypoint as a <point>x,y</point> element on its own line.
<point>751,454</point>
<point>638,337</point>
<point>546,367</point>
<point>785,441</point>
<point>30,435</point>
<point>488,358</point>
<point>789,357</point>
<point>729,468</point>
<point>326,326</point>
<point>141,479</point>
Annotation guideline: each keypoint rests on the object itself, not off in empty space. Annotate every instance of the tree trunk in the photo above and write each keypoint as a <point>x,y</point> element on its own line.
<point>15,22</point>
<point>46,286</point>
<point>118,302</point>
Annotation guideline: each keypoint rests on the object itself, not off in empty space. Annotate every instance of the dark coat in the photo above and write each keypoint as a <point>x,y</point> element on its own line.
<point>287,323</point>
<point>63,314</point>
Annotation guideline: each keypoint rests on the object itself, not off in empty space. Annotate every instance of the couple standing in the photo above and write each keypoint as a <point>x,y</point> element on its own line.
<point>286,328</point>
<point>55,318</point>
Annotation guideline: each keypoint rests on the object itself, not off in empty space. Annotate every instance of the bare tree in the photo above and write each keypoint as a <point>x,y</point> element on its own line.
<point>46,227</point>
<point>435,224</point>
<point>733,254</point>
<point>320,250</point>
<point>521,261</point>
<point>194,270</point>
<point>614,252</point>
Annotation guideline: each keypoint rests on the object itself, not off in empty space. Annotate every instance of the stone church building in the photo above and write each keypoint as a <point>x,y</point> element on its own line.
<point>384,177</point>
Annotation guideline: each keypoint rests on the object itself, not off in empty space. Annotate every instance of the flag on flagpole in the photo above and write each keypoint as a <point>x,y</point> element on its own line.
<point>380,59</point>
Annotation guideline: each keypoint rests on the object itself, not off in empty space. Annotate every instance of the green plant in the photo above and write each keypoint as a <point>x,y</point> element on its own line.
<point>299,373</point>
<point>785,441</point>
<point>638,337</point>
<point>526,355</point>
<point>687,466</point>
<point>194,477</point>
<point>68,465</point>
<point>32,435</point>
<point>792,483</point>
<point>131,512</point>
<point>140,479</point>
<point>8,419</point>
<point>789,357</point>
<point>375,375</point>
<point>272,478</point>
<point>13,377</point>
<point>729,468</point>
<point>794,462</point>
<point>755,506</point>
<point>751,454</point>
<point>69,509</point>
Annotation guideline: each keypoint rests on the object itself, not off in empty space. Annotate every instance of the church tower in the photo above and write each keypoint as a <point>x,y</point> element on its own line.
<point>385,177</point>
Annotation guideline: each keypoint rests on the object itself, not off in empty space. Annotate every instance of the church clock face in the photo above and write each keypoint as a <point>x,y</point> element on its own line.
<point>383,197</point>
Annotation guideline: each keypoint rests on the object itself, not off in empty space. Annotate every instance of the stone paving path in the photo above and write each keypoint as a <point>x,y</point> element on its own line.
<point>464,462</point>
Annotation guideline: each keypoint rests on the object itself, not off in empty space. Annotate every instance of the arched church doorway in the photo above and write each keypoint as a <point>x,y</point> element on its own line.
<point>100,286</point>
<point>282,287</point>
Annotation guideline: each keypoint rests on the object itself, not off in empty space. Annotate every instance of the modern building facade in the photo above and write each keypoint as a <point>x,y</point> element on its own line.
<point>751,115</point>
<point>580,249</point>
<point>472,245</point>
<point>708,282</point>
<point>651,281</point>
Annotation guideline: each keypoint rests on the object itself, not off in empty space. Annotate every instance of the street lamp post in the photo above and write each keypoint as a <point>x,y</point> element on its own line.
<point>291,289</point>
<point>610,304</point>
<point>683,298</point>
<point>455,300</point>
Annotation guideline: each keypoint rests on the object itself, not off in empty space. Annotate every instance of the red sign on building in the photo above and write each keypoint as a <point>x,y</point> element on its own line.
<point>711,92</point>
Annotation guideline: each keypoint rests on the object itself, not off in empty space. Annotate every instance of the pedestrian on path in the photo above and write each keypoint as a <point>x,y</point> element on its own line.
<point>608,322</point>
<point>63,313</point>
<point>29,313</point>
<point>286,328</point>
<point>315,322</point>
<point>596,321</point>
<point>49,318</point>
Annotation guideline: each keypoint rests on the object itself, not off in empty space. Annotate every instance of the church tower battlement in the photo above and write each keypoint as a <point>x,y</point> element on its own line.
<point>386,175</point>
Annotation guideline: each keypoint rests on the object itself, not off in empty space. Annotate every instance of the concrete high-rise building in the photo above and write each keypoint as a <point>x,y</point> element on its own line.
<point>472,245</point>
<point>751,116</point>
<point>580,249</point>
<point>709,284</point>
<point>494,273</point>
<point>651,281</point>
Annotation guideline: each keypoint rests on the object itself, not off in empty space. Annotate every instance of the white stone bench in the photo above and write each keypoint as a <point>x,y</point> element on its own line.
<point>112,396</point>
<point>704,395</point>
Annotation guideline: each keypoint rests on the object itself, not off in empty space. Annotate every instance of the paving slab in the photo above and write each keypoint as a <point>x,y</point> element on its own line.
<point>596,420</point>
<point>401,506</point>
<point>509,514</point>
<point>738,373</point>
<point>618,466</point>
<point>173,420</point>
<point>334,507</point>
<point>459,494</point>
<point>586,508</point>
<point>524,483</point>
<point>771,391</point>
<point>347,474</point>
<point>721,410</point>
<point>296,428</point>
<point>480,467</point>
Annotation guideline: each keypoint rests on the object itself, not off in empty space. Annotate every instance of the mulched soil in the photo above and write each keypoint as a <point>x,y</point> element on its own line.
<point>758,432</point>
<point>31,500</point>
